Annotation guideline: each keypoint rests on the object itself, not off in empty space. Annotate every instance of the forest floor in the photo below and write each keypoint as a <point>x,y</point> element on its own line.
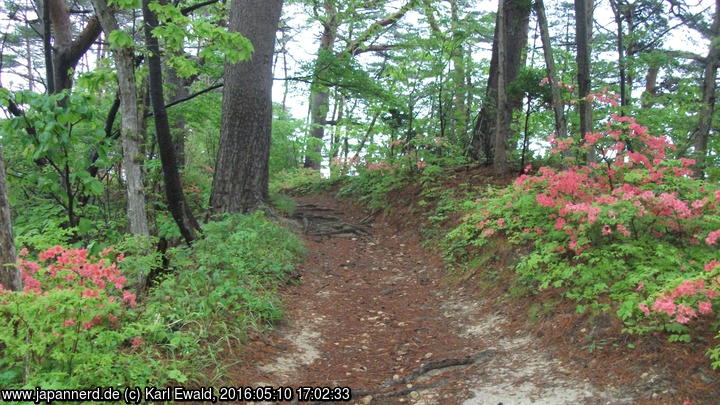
<point>374,310</point>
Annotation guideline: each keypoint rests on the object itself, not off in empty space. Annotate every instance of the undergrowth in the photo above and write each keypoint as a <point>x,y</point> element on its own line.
<point>78,323</point>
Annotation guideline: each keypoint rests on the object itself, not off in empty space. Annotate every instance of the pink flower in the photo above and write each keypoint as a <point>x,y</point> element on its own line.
<point>560,223</point>
<point>89,293</point>
<point>664,304</point>
<point>710,266</point>
<point>23,252</point>
<point>501,222</point>
<point>640,286</point>
<point>623,230</point>
<point>136,342</point>
<point>644,308</point>
<point>712,237</point>
<point>684,313</point>
<point>421,165</point>
<point>129,298</point>
<point>95,321</point>
<point>69,322</point>
<point>592,138</point>
<point>606,230</point>
<point>544,200</point>
<point>687,162</point>
<point>705,307</point>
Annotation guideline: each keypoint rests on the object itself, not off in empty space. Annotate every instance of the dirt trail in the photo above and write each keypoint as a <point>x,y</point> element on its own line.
<point>371,310</point>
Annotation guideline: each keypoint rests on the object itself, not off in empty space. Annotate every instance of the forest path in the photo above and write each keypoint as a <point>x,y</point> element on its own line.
<point>371,311</point>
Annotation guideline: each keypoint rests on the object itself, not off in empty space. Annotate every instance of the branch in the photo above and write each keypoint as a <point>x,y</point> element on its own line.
<point>685,55</point>
<point>85,39</point>
<point>189,9</point>
<point>190,97</point>
<point>354,47</point>
<point>377,48</point>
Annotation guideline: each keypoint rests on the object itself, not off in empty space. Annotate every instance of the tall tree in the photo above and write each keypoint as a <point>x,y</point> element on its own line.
<point>320,96</point>
<point>583,34</point>
<point>240,183</point>
<point>319,92</point>
<point>130,122</point>
<point>516,25</point>
<point>9,274</point>
<point>558,105</point>
<point>174,194</point>
<point>501,122</point>
<point>707,107</point>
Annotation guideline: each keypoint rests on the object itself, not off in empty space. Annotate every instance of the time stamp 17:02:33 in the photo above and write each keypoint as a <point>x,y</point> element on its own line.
<point>225,394</point>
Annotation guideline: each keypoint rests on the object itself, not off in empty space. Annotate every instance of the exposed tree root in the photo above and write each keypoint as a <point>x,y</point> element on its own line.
<point>483,356</point>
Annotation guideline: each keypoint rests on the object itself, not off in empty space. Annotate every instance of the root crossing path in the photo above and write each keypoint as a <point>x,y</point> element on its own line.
<point>371,312</point>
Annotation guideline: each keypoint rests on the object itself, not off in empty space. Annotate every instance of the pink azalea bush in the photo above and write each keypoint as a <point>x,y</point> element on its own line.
<point>72,323</point>
<point>632,225</point>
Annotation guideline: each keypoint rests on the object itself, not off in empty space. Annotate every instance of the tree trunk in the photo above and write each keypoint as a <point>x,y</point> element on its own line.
<point>178,91</point>
<point>129,125</point>
<point>583,33</point>
<point>458,77</point>
<point>319,93</point>
<point>47,48</point>
<point>707,108</point>
<point>502,124</point>
<point>650,86</point>
<point>516,23</point>
<point>67,52</point>
<point>9,273</point>
<point>558,105</point>
<point>240,183</point>
<point>173,186</point>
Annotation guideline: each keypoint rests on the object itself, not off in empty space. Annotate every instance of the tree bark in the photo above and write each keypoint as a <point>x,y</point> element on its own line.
<point>240,183</point>
<point>47,48</point>
<point>583,33</point>
<point>702,133</point>
<point>502,126</point>
<point>67,52</point>
<point>173,186</point>
<point>558,105</point>
<point>516,23</point>
<point>650,86</point>
<point>9,273</point>
<point>130,124</point>
<point>178,91</point>
<point>319,93</point>
<point>458,76</point>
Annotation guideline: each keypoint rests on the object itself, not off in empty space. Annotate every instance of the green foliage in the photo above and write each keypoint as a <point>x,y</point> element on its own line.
<point>299,181</point>
<point>120,39</point>
<point>225,284</point>
<point>73,327</point>
<point>216,43</point>
<point>634,234</point>
<point>287,145</point>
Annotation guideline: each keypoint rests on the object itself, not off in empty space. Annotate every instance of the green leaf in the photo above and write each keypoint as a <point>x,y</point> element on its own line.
<point>120,39</point>
<point>85,226</point>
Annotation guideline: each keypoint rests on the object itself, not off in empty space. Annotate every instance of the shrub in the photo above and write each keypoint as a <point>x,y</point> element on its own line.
<point>225,283</point>
<point>73,325</point>
<point>634,227</point>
